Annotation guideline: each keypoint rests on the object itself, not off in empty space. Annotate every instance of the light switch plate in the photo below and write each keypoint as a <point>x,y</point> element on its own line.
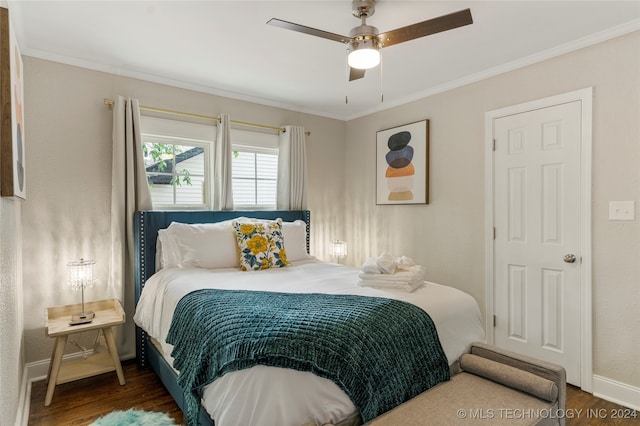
<point>622,210</point>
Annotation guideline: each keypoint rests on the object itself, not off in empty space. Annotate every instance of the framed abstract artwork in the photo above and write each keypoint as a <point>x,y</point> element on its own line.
<point>12,154</point>
<point>402,164</point>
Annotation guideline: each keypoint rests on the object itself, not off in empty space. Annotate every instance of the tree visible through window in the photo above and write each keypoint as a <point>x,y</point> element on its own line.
<point>175,171</point>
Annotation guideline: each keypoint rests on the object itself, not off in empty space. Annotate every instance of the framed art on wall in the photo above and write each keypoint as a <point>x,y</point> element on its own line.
<point>402,164</point>
<point>12,155</point>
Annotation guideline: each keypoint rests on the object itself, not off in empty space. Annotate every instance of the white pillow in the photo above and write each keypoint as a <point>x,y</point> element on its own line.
<point>214,245</point>
<point>295,240</point>
<point>167,255</point>
<point>204,245</point>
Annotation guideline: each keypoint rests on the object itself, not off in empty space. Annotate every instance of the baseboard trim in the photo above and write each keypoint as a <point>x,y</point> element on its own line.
<point>616,392</point>
<point>24,401</point>
<point>36,371</point>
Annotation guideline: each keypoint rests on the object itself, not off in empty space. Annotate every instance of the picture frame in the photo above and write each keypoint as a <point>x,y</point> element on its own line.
<point>402,164</point>
<point>12,152</point>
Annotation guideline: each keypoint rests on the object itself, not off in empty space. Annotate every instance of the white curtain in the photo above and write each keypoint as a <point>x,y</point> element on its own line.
<point>222,182</point>
<point>292,169</point>
<point>129,192</point>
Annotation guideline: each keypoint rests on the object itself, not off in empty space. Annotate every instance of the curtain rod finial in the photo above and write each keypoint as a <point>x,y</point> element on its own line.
<point>108,102</point>
<point>306,132</point>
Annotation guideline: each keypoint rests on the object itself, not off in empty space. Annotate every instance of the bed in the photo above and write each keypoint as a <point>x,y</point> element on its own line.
<point>269,394</point>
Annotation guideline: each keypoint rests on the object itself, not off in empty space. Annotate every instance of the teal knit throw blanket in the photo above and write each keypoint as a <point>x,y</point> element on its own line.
<point>380,352</point>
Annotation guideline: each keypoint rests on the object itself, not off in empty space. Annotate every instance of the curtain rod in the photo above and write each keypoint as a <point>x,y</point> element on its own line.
<point>109,103</point>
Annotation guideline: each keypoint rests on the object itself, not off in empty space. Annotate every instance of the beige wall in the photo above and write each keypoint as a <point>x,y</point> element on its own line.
<point>447,236</point>
<point>11,322</point>
<point>67,212</point>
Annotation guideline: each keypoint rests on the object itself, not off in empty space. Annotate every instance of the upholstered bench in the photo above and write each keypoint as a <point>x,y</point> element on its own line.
<point>494,387</point>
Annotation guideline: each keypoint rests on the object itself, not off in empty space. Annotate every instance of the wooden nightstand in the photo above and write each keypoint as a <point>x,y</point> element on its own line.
<point>109,313</point>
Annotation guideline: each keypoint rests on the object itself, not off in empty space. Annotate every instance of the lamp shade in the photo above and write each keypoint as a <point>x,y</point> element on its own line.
<point>338,248</point>
<point>364,54</point>
<point>81,274</point>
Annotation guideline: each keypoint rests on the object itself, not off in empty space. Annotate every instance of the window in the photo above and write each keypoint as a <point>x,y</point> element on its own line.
<point>179,163</point>
<point>176,158</point>
<point>254,169</point>
<point>175,171</point>
<point>255,177</point>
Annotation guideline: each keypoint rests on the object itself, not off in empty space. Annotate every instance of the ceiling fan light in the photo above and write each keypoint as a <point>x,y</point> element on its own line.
<point>365,55</point>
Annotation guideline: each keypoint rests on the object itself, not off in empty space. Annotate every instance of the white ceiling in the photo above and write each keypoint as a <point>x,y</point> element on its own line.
<point>226,47</point>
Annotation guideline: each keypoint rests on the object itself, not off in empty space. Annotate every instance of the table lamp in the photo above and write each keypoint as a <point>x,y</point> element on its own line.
<point>80,274</point>
<point>338,249</point>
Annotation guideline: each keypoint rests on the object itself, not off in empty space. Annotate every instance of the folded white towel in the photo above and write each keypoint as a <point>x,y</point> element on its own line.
<point>404,262</point>
<point>413,273</point>
<point>386,268</point>
<point>371,266</point>
<point>386,272</point>
<point>386,263</point>
<point>407,286</point>
<point>383,264</point>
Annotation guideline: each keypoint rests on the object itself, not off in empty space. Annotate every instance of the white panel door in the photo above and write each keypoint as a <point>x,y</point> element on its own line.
<point>537,234</point>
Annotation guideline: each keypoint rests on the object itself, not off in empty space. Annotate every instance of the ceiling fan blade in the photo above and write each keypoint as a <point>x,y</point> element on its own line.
<point>425,28</point>
<point>355,73</point>
<point>307,30</point>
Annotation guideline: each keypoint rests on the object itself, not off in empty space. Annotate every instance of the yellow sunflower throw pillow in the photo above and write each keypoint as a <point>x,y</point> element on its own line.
<point>260,244</point>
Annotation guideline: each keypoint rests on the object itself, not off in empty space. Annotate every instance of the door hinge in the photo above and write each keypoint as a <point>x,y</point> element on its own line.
<point>494,320</point>
<point>494,232</point>
<point>494,144</point>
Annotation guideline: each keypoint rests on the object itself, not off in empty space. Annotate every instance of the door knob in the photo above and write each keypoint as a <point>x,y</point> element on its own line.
<point>569,258</point>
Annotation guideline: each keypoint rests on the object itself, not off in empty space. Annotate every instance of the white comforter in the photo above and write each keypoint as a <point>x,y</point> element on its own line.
<point>269,395</point>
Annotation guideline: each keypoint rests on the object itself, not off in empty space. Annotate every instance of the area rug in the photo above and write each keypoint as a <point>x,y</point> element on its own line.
<point>134,418</point>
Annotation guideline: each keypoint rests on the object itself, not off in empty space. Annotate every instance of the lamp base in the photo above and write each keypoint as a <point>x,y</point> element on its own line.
<point>82,318</point>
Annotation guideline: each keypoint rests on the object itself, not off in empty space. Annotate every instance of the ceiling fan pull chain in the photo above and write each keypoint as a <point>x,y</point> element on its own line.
<point>346,80</point>
<point>381,88</point>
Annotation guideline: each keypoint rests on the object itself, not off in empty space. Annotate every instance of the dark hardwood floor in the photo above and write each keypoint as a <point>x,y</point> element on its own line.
<point>82,402</point>
<point>585,409</point>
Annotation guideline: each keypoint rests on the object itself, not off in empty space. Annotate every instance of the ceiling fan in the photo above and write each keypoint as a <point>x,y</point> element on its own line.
<point>364,41</point>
